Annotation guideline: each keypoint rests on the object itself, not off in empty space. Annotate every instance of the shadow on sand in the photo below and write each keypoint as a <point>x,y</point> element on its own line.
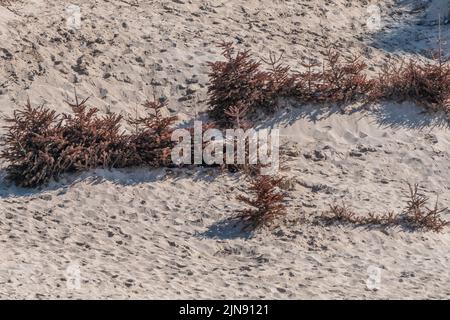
<point>229,228</point>
<point>122,177</point>
<point>384,115</point>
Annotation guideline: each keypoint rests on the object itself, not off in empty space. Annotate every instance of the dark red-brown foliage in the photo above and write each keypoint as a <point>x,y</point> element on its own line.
<point>40,145</point>
<point>419,216</point>
<point>341,80</point>
<point>92,140</point>
<point>344,214</point>
<point>32,146</point>
<point>266,202</point>
<point>237,116</point>
<point>151,141</point>
<point>427,84</point>
<point>241,81</point>
<point>238,120</point>
<point>237,81</point>
<point>340,213</point>
<point>280,81</point>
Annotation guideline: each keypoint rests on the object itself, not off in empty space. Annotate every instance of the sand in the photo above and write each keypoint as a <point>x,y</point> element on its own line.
<point>163,234</point>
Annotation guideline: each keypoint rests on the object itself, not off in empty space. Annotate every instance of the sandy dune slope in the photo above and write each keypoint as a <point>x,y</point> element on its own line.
<point>123,54</point>
<point>140,233</point>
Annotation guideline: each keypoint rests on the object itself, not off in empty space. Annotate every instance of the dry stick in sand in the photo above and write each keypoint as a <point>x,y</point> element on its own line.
<point>420,216</point>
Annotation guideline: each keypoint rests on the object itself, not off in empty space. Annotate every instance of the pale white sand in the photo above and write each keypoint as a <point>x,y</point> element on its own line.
<point>137,233</point>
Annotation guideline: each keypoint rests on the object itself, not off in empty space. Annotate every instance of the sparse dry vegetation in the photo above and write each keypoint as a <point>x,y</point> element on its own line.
<point>427,84</point>
<point>241,80</point>
<point>266,203</point>
<point>416,216</point>
<point>419,216</point>
<point>344,214</point>
<point>40,144</point>
<point>151,141</point>
<point>238,81</point>
<point>339,80</point>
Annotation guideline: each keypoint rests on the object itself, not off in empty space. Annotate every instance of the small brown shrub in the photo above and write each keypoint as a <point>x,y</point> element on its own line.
<point>307,82</point>
<point>32,146</point>
<point>419,216</point>
<point>91,140</point>
<point>242,81</point>
<point>237,116</point>
<point>267,203</point>
<point>340,80</point>
<point>344,214</point>
<point>236,81</point>
<point>340,213</point>
<point>416,215</point>
<point>427,84</point>
<point>383,219</point>
<point>280,81</point>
